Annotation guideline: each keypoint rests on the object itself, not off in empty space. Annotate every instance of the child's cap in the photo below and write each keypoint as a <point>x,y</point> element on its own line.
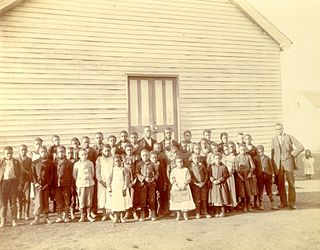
<point>37,139</point>
<point>260,147</point>
<point>8,148</point>
<point>55,136</point>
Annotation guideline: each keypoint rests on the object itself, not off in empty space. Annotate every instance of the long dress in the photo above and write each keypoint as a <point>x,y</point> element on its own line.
<point>118,180</point>
<point>219,194</point>
<point>180,178</point>
<point>103,168</point>
<point>308,165</point>
<point>228,161</point>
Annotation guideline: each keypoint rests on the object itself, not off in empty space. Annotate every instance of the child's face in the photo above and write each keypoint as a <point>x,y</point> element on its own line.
<point>195,159</point>
<point>157,147</point>
<point>23,151</point>
<point>215,148</point>
<point>112,141</point>
<point>260,151</point>
<point>231,148</point>
<point>61,153</point>
<point>174,150</point>
<point>75,144</point>
<point>168,134</point>
<point>98,138</point>
<point>197,149</point>
<point>207,135</point>
<point>144,156</point>
<point>153,158</point>
<point>240,138</point>
<point>187,137</point>
<point>224,139</point>
<point>226,150</point>
<point>106,151</point>
<point>248,139</point>
<point>86,143</point>
<point>133,139</point>
<point>83,155</point>
<point>69,154</point>
<point>129,150</point>
<point>43,153</point>
<point>147,132</point>
<point>242,150</point>
<point>37,145</point>
<point>117,162</point>
<point>123,137</point>
<point>179,163</point>
<point>203,144</point>
<point>56,141</point>
<point>167,145</point>
<point>216,159</point>
<point>8,154</point>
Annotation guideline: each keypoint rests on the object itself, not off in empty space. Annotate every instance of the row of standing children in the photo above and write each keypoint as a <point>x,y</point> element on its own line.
<point>131,175</point>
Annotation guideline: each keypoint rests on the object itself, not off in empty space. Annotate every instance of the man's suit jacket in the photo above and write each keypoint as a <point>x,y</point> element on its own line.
<point>143,144</point>
<point>284,151</point>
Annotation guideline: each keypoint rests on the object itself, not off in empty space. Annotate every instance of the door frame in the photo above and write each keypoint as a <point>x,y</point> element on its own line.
<point>175,96</point>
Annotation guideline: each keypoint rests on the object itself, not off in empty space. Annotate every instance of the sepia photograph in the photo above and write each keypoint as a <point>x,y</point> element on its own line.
<point>159,124</point>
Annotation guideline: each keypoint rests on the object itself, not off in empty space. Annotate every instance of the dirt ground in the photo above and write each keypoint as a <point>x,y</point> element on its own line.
<point>285,229</point>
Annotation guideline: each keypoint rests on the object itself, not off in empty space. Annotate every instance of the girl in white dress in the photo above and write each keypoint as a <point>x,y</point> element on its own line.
<point>118,188</point>
<point>180,194</point>
<point>104,166</point>
<point>308,162</point>
<point>228,160</point>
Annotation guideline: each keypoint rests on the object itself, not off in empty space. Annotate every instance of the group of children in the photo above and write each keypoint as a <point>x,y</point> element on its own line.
<point>135,178</point>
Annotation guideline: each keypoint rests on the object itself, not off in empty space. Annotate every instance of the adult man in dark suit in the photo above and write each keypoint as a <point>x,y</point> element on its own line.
<point>168,138</point>
<point>146,142</point>
<point>283,154</point>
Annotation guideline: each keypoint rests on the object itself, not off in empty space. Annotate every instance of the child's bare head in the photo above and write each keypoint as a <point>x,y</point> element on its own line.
<point>134,137</point>
<point>207,134</point>
<point>117,161</point>
<point>179,161</point>
<point>129,149</point>
<point>224,137</point>
<point>147,132</point>
<point>214,147</point>
<point>231,146</point>
<point>75,143</point>
<point>157,147</point>
<point>195,158</point>
<point>23,150</point>
<point>8,152</point>
<point>168,133</point>
<point>106,150</point>
<point>123,136</point>
<point>184,145</point>
<point>69,153</point>
<point>204,143</point>
<point>43,152</point>
<point>112,140</point>
<point>187,135</point>
<point>37,142</point>
<point>240,137</point>
<point>217,158</point>
<point>248,139</point>
<point>61,152</point>
<point>260,149</point>
<point>226,150</point>
<point>85,142</point>
<point>242,149</point>
<point>55,140</point>
<point>144,155</point>
<point>83,154</point>
<point>197,148</point>
<point>153,156</point>
<point>98,138</point>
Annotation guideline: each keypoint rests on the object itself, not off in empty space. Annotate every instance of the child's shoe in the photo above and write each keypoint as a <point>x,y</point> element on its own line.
<point>82,216</point>
<point>14,223</point>
<point>198,216</point>
<point>261,207</point>
<point>142,216</point>
<point>72,215</point>
<point>36,221</point>
<point>48,221</point>
<point>19,216</point>
<point>153,215</point>
<point>26,216</point>
<point>3,222</point>
<point>122,219</point>
<point>126,216</point>
<point>104,218</point>
<point>59,219</point>
<point>273,207</point>
<point>111,217</point>
<point>185,216</point>
<point>66,220</point>
<point>221,214</point>
<point>207,215</point>
<point>135,216</point>
<point>178,216</point>
<point>93,215</point>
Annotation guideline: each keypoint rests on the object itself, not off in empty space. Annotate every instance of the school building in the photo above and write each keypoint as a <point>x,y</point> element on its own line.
<point>76,67</point>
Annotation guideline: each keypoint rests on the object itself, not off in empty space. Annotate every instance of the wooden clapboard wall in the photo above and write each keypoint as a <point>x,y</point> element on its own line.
<point>64,63</point>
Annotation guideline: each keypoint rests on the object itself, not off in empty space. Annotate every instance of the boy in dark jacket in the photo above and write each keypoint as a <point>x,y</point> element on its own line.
<point>24,194</point>
<point>42,171</point>
<point>63,181</point>
<point>10,185</point>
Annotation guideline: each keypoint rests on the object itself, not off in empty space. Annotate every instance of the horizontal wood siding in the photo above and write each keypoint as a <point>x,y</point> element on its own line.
<point>64,63</point>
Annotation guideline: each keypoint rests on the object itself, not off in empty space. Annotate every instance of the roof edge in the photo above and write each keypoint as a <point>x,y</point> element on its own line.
<point>253,14</point>
<point>7,5</point>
